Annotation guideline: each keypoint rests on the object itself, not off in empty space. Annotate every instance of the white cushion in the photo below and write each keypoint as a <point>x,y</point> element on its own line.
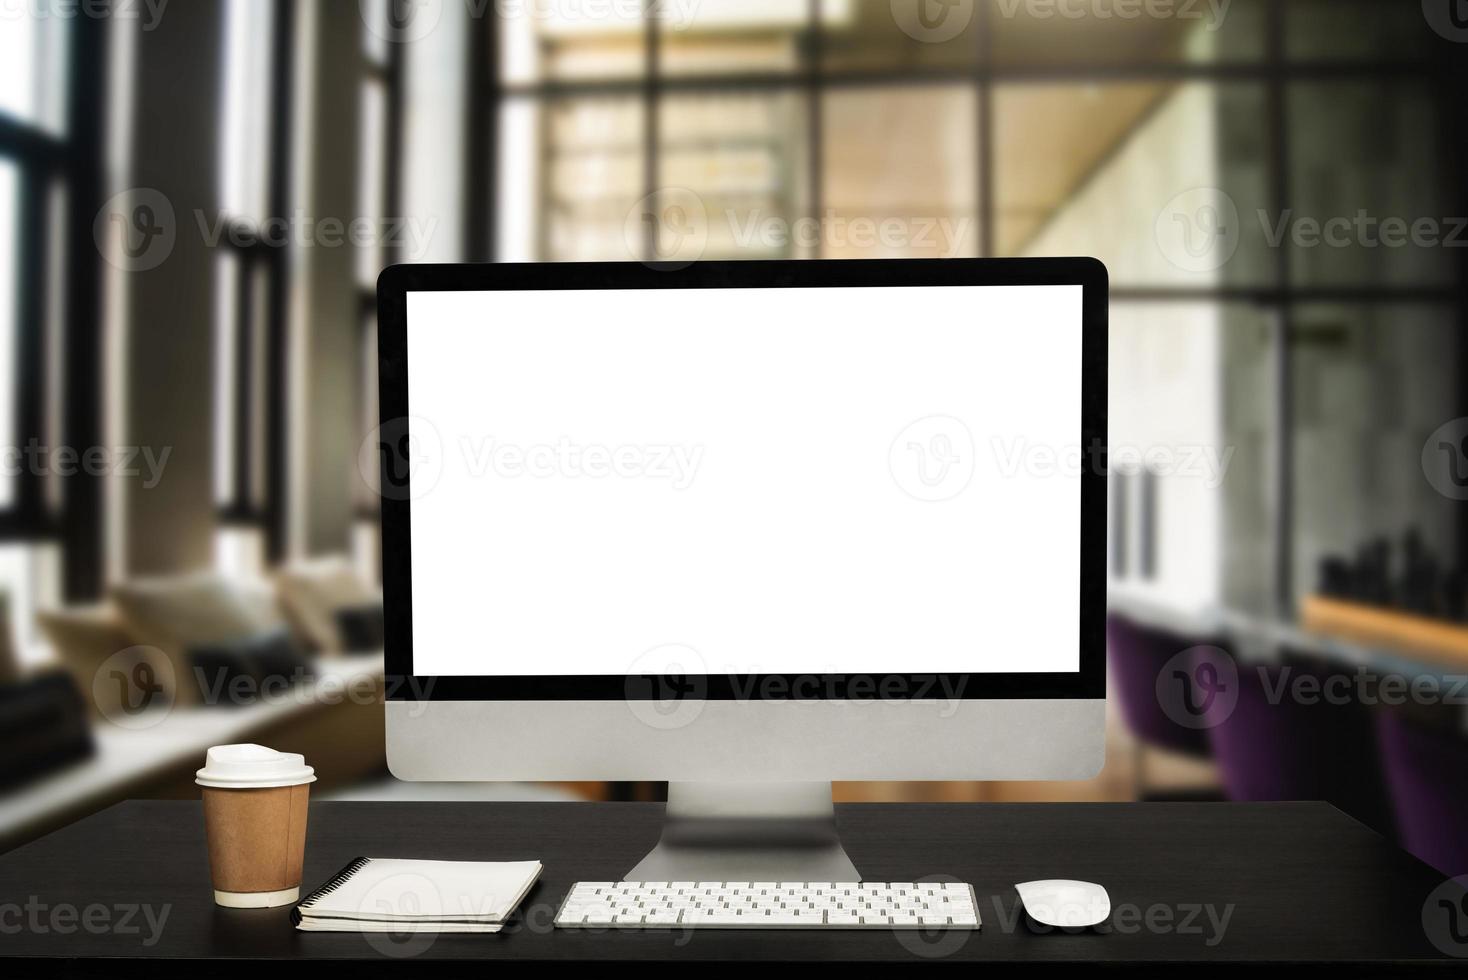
<point>182,613</point>
<point>312,592</point>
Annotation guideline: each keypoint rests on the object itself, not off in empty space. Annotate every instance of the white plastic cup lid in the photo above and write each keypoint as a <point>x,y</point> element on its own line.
<point>252,767</point>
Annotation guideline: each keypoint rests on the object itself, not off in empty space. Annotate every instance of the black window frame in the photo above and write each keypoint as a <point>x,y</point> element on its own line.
<point>258,416</point>
<point>389,74</point>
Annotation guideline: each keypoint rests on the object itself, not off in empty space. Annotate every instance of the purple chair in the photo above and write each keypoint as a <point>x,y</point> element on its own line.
<point>1272,745</point>
<point>1427,775</point>
<point>1135,656</point>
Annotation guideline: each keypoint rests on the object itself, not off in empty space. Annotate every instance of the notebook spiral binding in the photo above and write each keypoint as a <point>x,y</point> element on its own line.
<point>340,878</point>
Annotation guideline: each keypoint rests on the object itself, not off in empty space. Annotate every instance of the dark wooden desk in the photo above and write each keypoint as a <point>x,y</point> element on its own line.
<point>1295,882</point>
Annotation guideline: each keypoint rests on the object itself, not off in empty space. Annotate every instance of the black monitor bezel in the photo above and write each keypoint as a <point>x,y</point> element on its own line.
<point>1089,682</point>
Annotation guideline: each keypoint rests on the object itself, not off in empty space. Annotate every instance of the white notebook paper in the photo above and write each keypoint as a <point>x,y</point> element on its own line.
<point>392,895</point>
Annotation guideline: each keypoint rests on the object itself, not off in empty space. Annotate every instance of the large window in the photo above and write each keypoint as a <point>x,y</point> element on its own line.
<point>821,128</point>
<point>1190,152</point>
<point>38,167</point>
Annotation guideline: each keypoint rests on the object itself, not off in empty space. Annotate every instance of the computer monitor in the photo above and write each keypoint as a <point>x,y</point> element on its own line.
<point>748,527</point>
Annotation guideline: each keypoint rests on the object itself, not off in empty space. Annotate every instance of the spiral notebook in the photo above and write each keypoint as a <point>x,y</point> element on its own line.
<point>392,895</point>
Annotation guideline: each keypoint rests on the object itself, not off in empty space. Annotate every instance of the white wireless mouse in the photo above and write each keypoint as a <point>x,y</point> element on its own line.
<point>1061,904</point>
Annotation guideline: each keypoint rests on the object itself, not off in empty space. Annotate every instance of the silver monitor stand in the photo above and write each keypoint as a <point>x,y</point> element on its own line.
<point>748,832</point>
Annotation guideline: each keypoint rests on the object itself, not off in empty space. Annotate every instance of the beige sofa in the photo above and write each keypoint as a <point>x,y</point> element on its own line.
<point>129,657</point>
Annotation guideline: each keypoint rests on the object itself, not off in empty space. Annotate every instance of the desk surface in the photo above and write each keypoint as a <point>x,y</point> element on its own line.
<point>1292,881</point>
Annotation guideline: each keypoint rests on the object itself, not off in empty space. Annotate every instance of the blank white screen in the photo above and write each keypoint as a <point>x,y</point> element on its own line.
<point>852,480</point>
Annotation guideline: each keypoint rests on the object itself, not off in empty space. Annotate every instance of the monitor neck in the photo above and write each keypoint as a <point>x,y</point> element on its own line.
<point>748,832</point>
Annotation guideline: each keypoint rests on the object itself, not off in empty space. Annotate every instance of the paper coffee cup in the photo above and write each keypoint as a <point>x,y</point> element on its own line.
<point>255,819</point>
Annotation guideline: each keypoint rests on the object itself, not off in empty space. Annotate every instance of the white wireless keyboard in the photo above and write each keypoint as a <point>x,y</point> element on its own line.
<point>768,905</point>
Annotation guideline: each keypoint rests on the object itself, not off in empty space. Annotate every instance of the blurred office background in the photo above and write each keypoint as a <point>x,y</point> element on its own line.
<point>196,198</point>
